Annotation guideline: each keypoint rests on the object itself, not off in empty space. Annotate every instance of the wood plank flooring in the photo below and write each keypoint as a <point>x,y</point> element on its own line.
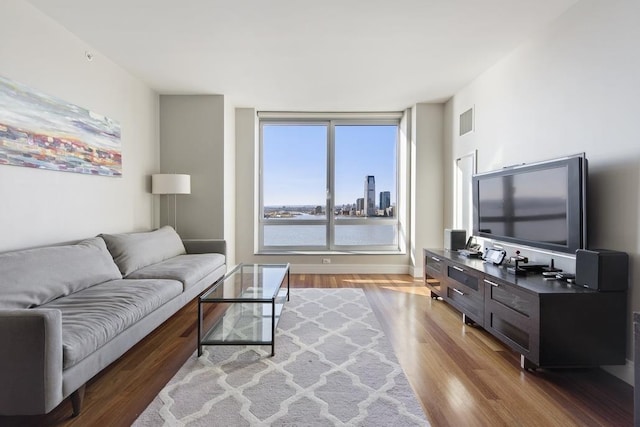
<point>461,374</point>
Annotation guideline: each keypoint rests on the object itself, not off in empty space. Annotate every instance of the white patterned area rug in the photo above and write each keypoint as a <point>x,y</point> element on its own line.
<point>333,367</point>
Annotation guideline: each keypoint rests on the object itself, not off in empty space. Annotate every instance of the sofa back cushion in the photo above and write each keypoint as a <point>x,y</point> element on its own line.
<point>132,251</point>
<point>33,277</point>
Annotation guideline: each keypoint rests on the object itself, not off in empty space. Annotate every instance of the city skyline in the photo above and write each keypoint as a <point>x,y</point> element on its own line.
<point>370,195</point>
<point>359,208</point>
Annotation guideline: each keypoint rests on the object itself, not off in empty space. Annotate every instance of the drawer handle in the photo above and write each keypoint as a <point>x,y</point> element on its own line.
<point>457,268</point>
<point>435,259</point>
<point>491,283</point>
<point>458,292</point>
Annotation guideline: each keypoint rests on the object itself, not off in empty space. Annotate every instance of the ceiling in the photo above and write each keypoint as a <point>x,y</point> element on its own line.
<point>296,55</point>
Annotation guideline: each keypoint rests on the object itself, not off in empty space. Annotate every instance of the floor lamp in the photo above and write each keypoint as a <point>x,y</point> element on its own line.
<point>171,183</point>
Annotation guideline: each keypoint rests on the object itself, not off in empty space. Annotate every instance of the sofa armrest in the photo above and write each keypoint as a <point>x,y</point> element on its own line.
<point>205,246</point>
<point>30,361</point>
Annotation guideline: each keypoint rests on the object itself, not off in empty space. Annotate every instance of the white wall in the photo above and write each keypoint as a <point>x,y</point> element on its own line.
<point>230,182</point>
<point>39,207</point>
<point>572,88</point>
<point>246,148</point>
<point>427,181</point>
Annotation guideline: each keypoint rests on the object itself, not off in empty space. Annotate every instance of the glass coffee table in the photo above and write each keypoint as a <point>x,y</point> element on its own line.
<point>252,296</point>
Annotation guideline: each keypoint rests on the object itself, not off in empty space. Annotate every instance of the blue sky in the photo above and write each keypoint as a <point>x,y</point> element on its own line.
<point>295,163</point>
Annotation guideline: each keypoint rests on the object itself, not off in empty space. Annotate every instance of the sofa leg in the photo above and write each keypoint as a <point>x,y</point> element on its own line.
<point>77,397</point>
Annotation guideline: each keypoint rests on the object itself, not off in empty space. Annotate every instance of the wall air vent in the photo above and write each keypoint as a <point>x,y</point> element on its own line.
<point>466,121</point>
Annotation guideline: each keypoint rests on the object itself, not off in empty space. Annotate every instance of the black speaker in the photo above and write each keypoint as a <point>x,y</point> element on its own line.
<point>455,239</point>
<point>602,269</point>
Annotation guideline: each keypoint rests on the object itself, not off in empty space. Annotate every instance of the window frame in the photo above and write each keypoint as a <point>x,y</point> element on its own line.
<point>330,221</point>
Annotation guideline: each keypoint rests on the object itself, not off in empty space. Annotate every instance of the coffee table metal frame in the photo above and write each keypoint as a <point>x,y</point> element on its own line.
<point>241,309</point>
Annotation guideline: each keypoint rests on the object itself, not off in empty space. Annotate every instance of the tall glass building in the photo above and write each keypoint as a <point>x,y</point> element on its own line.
<point>370,195</point>
<point>385,200</point>
<point>360,206</point>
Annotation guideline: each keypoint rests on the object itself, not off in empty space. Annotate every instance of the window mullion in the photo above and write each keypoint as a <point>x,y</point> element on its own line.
<point>330,184</point>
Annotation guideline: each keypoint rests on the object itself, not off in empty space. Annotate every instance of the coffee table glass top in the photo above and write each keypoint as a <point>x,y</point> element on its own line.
<point>249,282</point>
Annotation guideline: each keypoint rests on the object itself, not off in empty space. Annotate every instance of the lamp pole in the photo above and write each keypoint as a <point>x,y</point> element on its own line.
<point>171,184</point>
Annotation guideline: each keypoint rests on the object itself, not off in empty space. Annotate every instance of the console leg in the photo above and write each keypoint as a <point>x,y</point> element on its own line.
<point>77,397</point>
<point>466,320</point>
<point>526,364</point>
<point>199,328</point>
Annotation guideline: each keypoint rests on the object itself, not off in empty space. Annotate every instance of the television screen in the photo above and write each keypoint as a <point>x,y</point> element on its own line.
<point>540,205</point>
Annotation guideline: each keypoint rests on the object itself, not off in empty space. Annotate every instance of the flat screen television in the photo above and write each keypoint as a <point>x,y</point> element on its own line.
<point>541,205</point>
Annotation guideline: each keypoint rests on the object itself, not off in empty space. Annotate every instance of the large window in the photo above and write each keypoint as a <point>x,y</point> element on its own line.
<point>329,184</point>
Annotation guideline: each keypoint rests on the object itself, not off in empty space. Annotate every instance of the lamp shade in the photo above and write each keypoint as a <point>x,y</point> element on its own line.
<point>170,183</point>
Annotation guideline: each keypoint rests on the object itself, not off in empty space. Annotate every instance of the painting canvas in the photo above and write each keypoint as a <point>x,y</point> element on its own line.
<point>40,131</point>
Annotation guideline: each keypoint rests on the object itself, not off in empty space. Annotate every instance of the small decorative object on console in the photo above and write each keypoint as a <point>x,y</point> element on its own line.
<point>551,268</point>
<point>454,239</point>
<point>602,269</point>
<point>470,253</point>
<point>471,249</point>
<point>494,255</point>
<point>567,277</point>
<point>516,269</point>
<point>534,268</point>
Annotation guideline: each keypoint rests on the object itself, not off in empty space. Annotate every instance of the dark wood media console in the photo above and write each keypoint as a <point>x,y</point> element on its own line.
<point>550,323</point>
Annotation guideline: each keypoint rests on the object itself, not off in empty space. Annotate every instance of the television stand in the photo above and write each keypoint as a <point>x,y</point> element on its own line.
<point>549,323</point>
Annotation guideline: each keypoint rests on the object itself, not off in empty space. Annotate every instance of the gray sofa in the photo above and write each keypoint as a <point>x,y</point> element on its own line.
<point>66,312</point>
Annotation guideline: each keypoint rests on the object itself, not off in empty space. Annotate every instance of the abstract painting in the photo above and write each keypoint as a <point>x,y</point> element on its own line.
<point>41,131</point>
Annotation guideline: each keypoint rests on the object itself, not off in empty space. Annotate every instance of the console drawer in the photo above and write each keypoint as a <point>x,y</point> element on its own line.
<point>433,266</point>
<point>519,334</point>
<point>460,275</point>
<point>467,303</point>
<point>509,332</point>
<point>512,316</point>
<point>510,297</point>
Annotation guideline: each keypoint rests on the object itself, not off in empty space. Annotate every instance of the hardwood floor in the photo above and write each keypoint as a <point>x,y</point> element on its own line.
<point>461,374</point>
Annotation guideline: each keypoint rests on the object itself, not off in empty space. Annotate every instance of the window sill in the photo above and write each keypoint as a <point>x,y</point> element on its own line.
<point>316,253</point>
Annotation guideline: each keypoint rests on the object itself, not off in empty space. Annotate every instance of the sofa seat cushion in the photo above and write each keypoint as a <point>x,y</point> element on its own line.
<point>132,251</point>
<point>33,277</point>
<point>92,317</point>
<point>188,269</point>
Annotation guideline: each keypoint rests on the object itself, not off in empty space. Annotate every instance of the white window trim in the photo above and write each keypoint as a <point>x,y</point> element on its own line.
<point>331,120</point>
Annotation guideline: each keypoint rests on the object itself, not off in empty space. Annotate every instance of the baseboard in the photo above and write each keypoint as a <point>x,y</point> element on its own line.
<point>348,269</point>
<point>624,372</point>
<point>416,271</point>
